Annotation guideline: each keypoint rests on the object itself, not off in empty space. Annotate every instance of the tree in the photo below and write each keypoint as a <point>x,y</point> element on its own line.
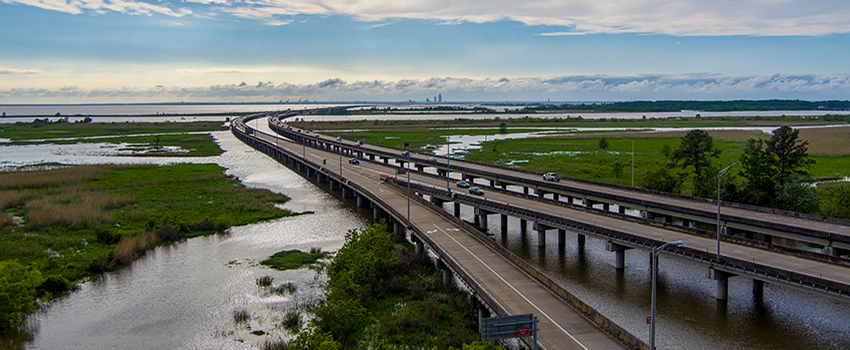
<point>836,201</point>
<point>503,128</point>
<point>617,169</point>
<point>666,151</point>
<point>705,182</point>
<point>760,188</point>
<point>662,180</point>
<point>788,155</point>
<point>696,149</point>
<point>603,143</point>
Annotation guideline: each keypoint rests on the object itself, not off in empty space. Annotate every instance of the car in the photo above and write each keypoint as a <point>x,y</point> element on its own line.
<point>339,138</point>
<point>551,177</point>
<point>476,191</point>
<point>432,159</point>
<point>405,154</point>
<point>463,184</point>
<point>354,161</point>
<point>358,143</point>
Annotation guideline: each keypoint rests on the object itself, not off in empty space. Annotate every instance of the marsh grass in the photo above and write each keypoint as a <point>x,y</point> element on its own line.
<point>75,207</point>
<point>286,288</point>
<point>264,281</point>
<point>291,322</point>
<point>241,316</point>
<point>293,259</point>
<point>130,249</point>
<point>29,131</point>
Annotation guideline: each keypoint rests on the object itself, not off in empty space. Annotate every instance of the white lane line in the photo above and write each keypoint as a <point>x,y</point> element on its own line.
<point>512,287</point>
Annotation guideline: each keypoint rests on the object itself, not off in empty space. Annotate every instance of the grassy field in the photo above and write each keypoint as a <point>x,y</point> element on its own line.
<point>577,154</point>
<point>54,130</point>
<point>152,140</point>
<point>74,222</point>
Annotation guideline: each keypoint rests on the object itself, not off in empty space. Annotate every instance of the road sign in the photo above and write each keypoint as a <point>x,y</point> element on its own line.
<point>648,319</point>
<point>521,332</point>
<point>494,328</point>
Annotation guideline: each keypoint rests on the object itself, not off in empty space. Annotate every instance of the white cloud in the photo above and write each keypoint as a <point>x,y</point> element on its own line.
<point>4,70</point>
<point>129,7</point>
<point>698,86</point>
<point>672,17</point>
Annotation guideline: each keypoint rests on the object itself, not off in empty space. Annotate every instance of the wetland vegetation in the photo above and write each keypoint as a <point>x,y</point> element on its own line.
<point>65,223</point>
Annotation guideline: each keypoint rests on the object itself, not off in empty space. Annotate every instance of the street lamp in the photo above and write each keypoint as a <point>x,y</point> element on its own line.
<point>448,151</point>
<point>720,175</point>
<point>654,278</point>
<point>633,158</point>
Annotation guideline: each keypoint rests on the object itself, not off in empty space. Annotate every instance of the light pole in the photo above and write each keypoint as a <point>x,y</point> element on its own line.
<point>654,278</point>
<point>408,190</point>
<point>448,151</point>
<point>720,175</point>
<point>340,166</point>
<point>633,158</point>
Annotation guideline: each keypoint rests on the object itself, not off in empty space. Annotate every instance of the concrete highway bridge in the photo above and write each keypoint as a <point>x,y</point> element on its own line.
<point>551,207</point>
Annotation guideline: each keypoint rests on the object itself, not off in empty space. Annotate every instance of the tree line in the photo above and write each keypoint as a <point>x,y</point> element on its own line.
<point>773,174</point>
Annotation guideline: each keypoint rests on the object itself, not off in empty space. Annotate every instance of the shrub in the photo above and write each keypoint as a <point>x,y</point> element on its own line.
<point>264,281</point>
<point>241,316</point>
<point>292,322</point>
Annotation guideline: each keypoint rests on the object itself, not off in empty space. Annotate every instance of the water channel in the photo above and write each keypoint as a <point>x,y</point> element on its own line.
<point>183,296</point>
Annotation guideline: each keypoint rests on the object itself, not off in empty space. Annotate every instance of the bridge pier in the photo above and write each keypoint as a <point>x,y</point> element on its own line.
<point>481,218</point>
<point>562,238</point>
<point>347,192</point>
<point>398,228</point>
<point>581,239</point>
<point>457,209</point>
<point>377,212</point>
<point>620,250</point>
<point>621,209</point>
<point>758,288</point>
<point>525,190</point>
<point>335,185</point>
<point>504,227</point>
<point>447,273</point>
<point>722,279</point>
<point>362,202</point>
<point>436,201</point>
<point>523,226</point>
<point>541,233</point>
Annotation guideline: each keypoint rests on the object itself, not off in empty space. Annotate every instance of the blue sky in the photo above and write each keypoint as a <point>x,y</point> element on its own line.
<point>99,51</point>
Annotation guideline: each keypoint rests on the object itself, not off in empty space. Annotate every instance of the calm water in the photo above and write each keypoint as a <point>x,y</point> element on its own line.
<point>183,296</point>
<point>148,109</point>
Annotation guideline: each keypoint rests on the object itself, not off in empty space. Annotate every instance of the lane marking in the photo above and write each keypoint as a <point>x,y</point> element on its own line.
<point>512,287</point>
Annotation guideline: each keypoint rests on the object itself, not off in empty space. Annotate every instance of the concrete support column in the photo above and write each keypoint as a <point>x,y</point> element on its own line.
<point>420,248</point>
<point>525,190</point>
<point>377,212</point>
<point>570,199</point>
<point>505,187</point>
<point>362,202</point>
<point>523,226</point>
<point>620,250</point>
<point>420,168</point>
<point>335,185</point>
<point>386,161</point>
<point>621,209</point>
<point>562,237</point>
<point>541,236</point>
<point>758,288</point>
<point>436,201</point>
<point>722,279</point>
<point>481,218</point>
<point>768,239</point>
<point>447,274</point>
<point>668,219</point>
<point>581,239</point>
<point>492,183</point>
<point>347,192</point>
<point>398,228</point>
<point>457,210</point>
<point>504,222</point>
<point>606,207</point>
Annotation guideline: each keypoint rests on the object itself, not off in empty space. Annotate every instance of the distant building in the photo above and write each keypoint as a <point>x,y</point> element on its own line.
<point>440,98</point>
<point>427,100</point>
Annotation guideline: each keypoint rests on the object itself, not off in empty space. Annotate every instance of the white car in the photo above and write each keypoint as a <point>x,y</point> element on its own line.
<point>551,177</point>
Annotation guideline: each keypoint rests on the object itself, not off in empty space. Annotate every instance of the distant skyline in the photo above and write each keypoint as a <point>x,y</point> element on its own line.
<point>125,51</point>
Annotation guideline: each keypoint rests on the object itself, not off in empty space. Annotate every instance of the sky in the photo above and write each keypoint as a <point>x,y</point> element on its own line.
<point>127,51</point>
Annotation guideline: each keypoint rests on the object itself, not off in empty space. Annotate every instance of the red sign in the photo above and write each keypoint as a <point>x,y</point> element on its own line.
<point>648,319</point>
<point>521,332</point>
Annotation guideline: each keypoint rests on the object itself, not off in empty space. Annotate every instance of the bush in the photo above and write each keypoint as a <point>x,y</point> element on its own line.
<point>264,281</point>
<point>17,292</point>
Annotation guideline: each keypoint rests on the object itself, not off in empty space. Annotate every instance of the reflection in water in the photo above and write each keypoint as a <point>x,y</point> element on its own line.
<point>183,296</point>
<point>689,316</point>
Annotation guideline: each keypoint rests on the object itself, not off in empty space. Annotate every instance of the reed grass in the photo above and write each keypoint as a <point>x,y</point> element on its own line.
<point>130,249</point>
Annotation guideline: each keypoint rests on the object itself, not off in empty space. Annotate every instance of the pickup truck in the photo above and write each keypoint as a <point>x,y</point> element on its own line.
<point>551,177</point>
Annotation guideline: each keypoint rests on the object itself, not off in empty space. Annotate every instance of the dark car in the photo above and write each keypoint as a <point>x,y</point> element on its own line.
<point>432,159</point>
<point>405,154</point>
<point>358,143</point>
<point>339,138</point>
<point>476,190</point>
<point>354,161</point>
<point>463,184</point>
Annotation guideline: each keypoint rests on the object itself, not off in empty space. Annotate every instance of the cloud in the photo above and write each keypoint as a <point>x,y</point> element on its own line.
<point>128,7</point>
<point>671,17</point>
<point>218,71</point>
<point>697,86</point>
<point>4,70</point>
